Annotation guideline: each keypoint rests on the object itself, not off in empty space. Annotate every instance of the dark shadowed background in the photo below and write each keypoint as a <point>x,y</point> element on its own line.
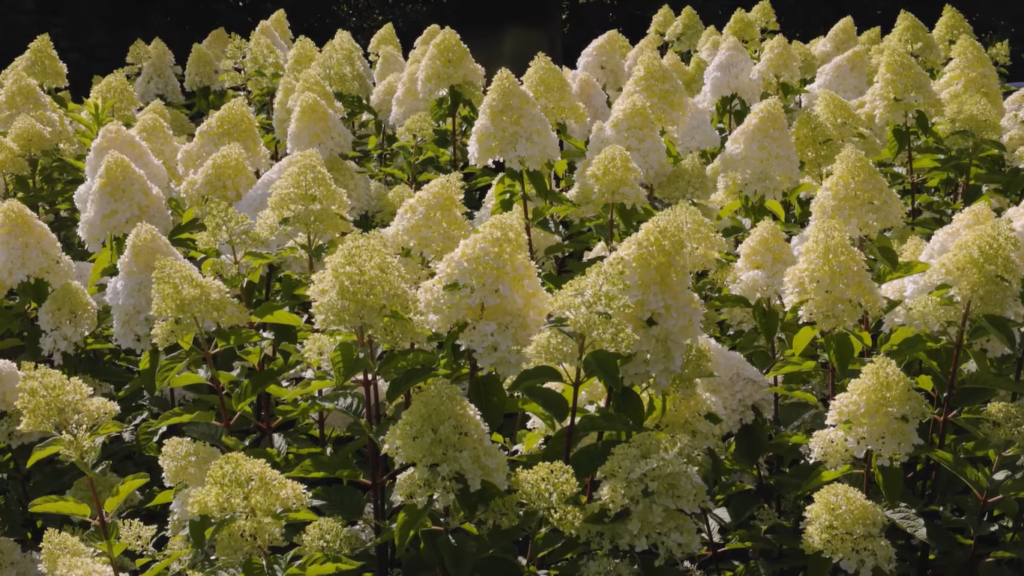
<point>93,36</point>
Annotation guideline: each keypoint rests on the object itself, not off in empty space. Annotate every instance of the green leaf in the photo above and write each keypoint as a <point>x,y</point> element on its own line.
<point>536,376</point>
<point>791,367</point>
<point>751,442</point>
<point>164,564</point>
<point>974,478</point>
<point>44,450</point>
<point>890,480</point>
<point>552,402</point>
<point>275,313</point>
<point>840,352</point>
<point>585,460</point>
<point>1001,328</point>
<point>164,497</point>
<point>767,319</point>
<point>488,394</point>
<point>604,366</point>
<point>794,392</point>
<point>818,565</point>
<point>906,518</point>
<point>398,361</point>
<point>126,488</point>
<point>406,381</point>
<point>186,379</point>
<point>64,505</point>
<point>410,520</point>
<point>320,466</point>
<point>821,477</point>
<point>776,208</point>
<point>627,402</point>
<point>347,362</point>
<point>803,338</point>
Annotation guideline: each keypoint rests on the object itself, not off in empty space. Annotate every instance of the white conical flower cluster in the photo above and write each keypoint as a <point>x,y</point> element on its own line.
<point>489,283</point>
<point>511,127</point>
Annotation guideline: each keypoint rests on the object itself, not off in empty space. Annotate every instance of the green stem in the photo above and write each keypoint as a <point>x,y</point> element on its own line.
<point>101,517</point>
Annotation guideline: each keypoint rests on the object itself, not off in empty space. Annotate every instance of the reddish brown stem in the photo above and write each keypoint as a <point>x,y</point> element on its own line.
<point>101,517</point>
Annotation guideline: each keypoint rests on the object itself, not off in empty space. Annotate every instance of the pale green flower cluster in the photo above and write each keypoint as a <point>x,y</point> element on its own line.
<point>633,126</point>
<point>65,555</point>
<point>687,181</point>
<point>610,178</point>
<point>115,90</point>
<point>553,92</point>
<point>446,441</point>
<point>66,407</point>
<point>136,535</point>
<point>655,265</point>
<point>830,280</point>
<point>759,159</point>
<point>949,28</point>
<point>489,283</point>
<point>847,528</point>
<point>234,122</point>
<point>305,204</point>
<point>250,498</point>
<point>186,303</point>
<point>685,31</point>
<point>779,64</point>
<point>1004,423</point>
<point>656,478</point>
<point>330,537</point>
<point>901,88</point>
<point>29,249</point>
<point>448,63</point>
<point>821,132</point>
<point>225,176</point>
<point>511,127</point>
<point>911,36</point>
<point>548,488</point>
<point>157,76</point>
<point>606,565</point>
<point>880,411</point>
<point>67,317</point>
<point>971,93</point>
<point>605,59</point>
<point>841,38</point>
<point>432,222</point>
<point>857,196</point>
<point>764,257</point>
<point>587,315</point>
<point>185,462</point>
<point>364,289</point>
<point>41,63</point>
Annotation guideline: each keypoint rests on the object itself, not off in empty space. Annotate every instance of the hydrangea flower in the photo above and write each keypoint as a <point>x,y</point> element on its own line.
<point>901,88</point>
<point>225,176</point>
<point>858,196</point>
<point>879,411</point>
<point>41,63</point>
<point>840,39</point>
<point>821,132</point>
<point>365,289</point>
<point>446,441</point>
<point>490,283</point>
<point>653,266</point>
<point>157,77</point>
<point>432,222</point>
<point>656,478</point>
<point>971,93</point>
<point>186,303</point>
<point>202,70</point>
<point>731,71</point>
<point>778,64</point>
<point>447,63</point>
<point>847,528</point>
<point>949,28</point>
<point>632,126</point>
<point>66,318</point>
<point>605,60</point>
<point>734,388</point>
<point>250,497</point>
<point>62,554</point>
<point>759,159</point>
<point>129,293</point>
<point>343,66</point>
<point>119,198</point>
<point>234,122</point>
<point>685,31</point>
<point>553,92</point>
<point>385,37</point>
<point>831,280</point>
<point>764,257</point>
<point>185,462</point>
<point>511,127</point>
<point>845,75</point>
<point>29,249</point>
<point>912,37</point>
